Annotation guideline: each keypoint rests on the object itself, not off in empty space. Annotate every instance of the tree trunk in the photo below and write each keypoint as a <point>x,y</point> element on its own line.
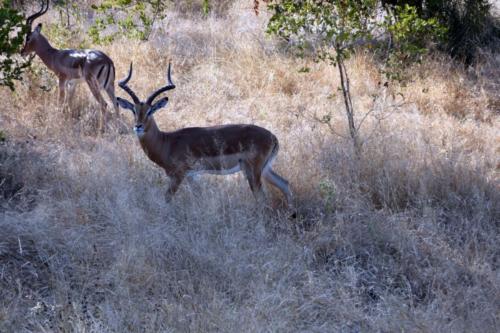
<point>344,81</point>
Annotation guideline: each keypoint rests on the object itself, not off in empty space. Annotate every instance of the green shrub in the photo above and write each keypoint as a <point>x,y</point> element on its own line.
<point>204,7</point>
<point>470,24</point>
<point>12,32</point>
<point>134,19</point>
<point>470,27</point>
<point>411,37</point>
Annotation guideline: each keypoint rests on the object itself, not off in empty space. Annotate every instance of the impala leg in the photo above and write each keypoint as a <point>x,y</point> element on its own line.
<point>110,90</point>
<point>71,90</point>
<point>175,182</point>
<point>69,98</point>
<point>253,176</point>
<point>121,124</point>
<point>94,88</point>
<point>279,182</point>
<point>62,92</point>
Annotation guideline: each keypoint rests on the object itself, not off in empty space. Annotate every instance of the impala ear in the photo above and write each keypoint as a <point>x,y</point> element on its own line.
<point>125,104</point>
<point>158,105</point>
<point>38,28</point>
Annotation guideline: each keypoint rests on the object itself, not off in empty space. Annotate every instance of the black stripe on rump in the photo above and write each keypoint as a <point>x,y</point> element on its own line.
<point>100,72</point>
<point>107,77</point>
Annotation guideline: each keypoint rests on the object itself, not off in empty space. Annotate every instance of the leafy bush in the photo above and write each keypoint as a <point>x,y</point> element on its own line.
<point>470,24</point>
<point>410,37</point>
<point>134,19</point>
<point>204,7</point>
<point>12,32</point>
<point>67,32</point>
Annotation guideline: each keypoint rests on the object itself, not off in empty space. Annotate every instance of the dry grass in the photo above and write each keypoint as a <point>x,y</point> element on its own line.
<point>403,239</point>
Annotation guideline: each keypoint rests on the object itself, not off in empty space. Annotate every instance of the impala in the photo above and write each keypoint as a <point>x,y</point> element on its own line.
<point>95,67</point>
<point>216,150</point>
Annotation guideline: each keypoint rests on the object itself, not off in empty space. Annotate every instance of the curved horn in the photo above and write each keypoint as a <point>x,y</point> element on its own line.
<point>169,86</point>
<point>123,85</point>
<point>43,10</point>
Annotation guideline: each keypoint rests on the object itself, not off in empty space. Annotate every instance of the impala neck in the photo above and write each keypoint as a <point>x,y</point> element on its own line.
<point>152,142</point>
<point>45,51</point>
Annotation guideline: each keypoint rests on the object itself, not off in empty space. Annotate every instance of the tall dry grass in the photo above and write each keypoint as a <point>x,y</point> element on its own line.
<point>404,238</point>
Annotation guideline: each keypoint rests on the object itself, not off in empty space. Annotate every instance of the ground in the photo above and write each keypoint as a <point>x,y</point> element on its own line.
<point>403,238</point>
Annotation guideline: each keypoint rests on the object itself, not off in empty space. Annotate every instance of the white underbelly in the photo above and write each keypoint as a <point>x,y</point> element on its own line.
<point>223,172</point>
<point>221,165</point>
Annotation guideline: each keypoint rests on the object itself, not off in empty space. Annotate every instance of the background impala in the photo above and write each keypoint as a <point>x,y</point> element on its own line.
<point>70,65</point>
